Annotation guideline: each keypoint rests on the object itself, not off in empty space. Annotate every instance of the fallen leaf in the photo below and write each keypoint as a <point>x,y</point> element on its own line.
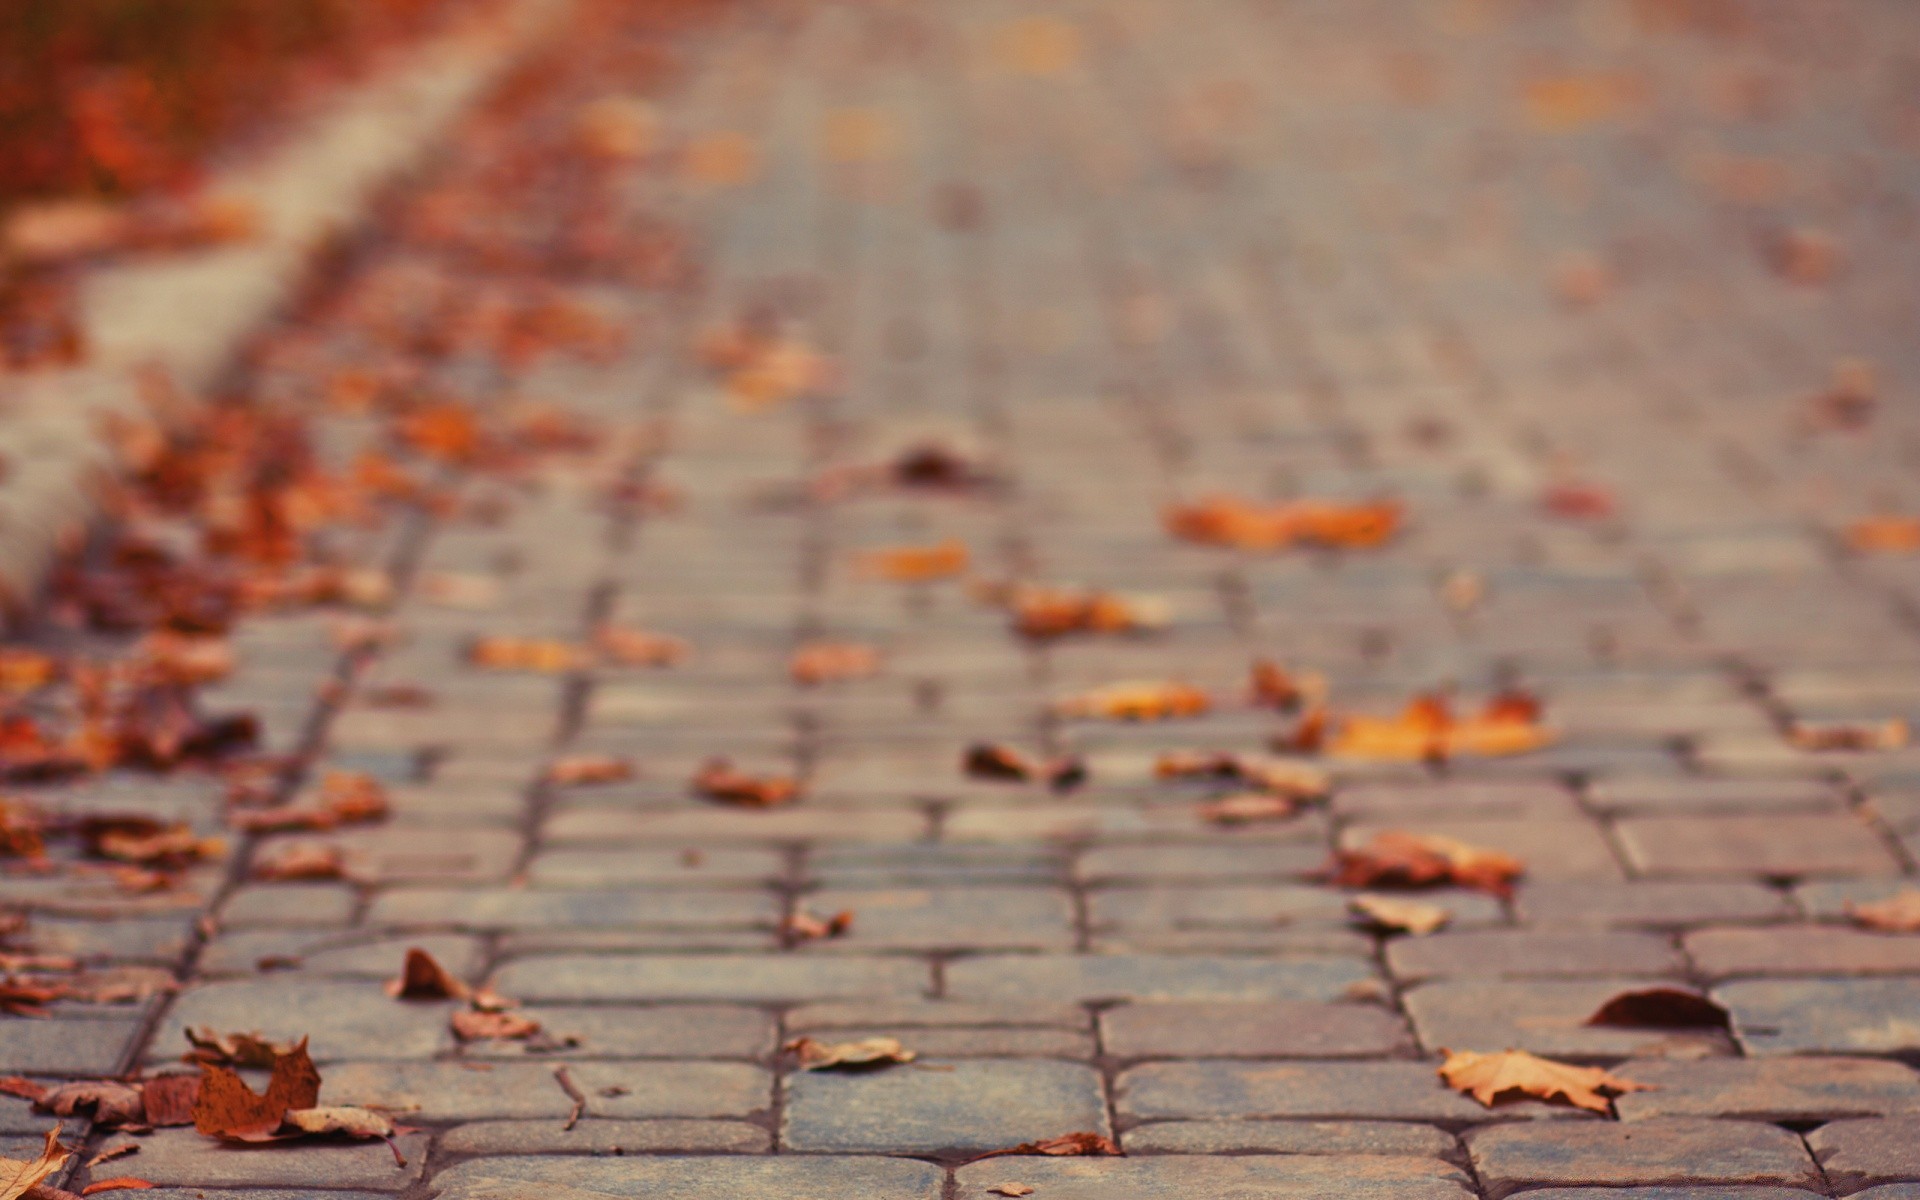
<point>1047,613</point>
<point>1011,1189</point>
<point>828,662</point>
<point>1388,915</point>
<point>1884,535</point>
<point>986,760</point>
<point>1490,1078</point>
<point>1579,501</point>
<point>1245,808</point>
<point>914,564</point>
<point>423,978</point>
<point>1395,859</point>
<point>112,1153</point>
<point>867,1052</point>
<point>1427,730</point>
<point>1229,521</point>
<point>119,1183</point>
<point>803,926</point>
<point>578,770</point>
<point>1898,913</point>
<point>172,846</point>
<point>341,1119</point>
<point>106,1101</point>
<point>228,1108</point>
<point>19,1177</point>
<point>724,159</point>
<point>547,656</point>
<point>1281,777</point>
<point>234,1049</point>
<point>353,797</point>
<point>1271,685</point>
<point>637,648</point>
<point>1802,256</point>
<point>472,1026</point>
<point>1890,734</point>
<point>300,861</point>
<point>1136,702</point>
<point>1660,1008</point>
<point>168,1100</point>
<point>718,780</point>
<point>1067,1145</point>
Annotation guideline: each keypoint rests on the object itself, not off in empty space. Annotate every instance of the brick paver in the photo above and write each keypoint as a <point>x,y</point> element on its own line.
<point>1122,253</point>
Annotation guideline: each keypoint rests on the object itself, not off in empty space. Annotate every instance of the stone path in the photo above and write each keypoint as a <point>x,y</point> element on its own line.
<point>1126,252</point>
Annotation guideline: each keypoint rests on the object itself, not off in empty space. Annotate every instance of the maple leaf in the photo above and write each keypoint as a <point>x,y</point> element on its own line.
<point>827,662</point>
<point>423,978</point>
<point>866,1053</point>
<point>168,1100</point>
<point>1899,913</point>
<point>228,1108</point>
<point>718,780</point>
<point>1490,1078</point>
<point>19,1177</point>
<point>1136,702</point>
<point>914,564</point>
<point>580,769</point>
<point>106,1101</point>
<point>1395,859</point>
<point>1388,915</point>
<point>1660,1008</point>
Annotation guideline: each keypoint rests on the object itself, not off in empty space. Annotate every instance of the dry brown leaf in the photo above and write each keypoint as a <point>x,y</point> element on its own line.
<point>234,1049</point>
<point>423,978</point>
<point>637,648</point>
<point>1279,776</point>
<point>1246,808</point>
<point>1427,730</point>
<point>106,1101</point>
<point>1136,702</point>
<point>353,797</point>
<point>1229,521</point>
<point>1395,859</point>
<point>340,1119</point>
<point>867,1052</point>
<point>1890,734</point>
<point>828,662</point>
<point>718,780</point>
<point>1389,915</point>
<point>914,564</point>
<point>168,1100</point>
<point>803,926</point>
<point>228,1108</point>
<point>1660,1008</point>
<point>1046,613</point>
<point>985,760</point>
<point>578,770</point>
<point>1490,1078</point>
<point>1271,685</point>
<point>1884,535</point>
<point>1067,1145</point>
<point>475,1026</point>
<point>119,1183</point>
<point>19,1177</point>
<point>300,861</point>
<point>1011,1189</point>
<point>1579,501</point>
<point>548,656</point>
<point>1898,913</point>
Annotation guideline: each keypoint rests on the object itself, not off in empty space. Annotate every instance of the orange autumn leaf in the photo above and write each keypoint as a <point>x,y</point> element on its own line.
<point>1884,535</point>
<point>1246,808</point>
<point>723,159</point>
<point>718,780</point>
<point>1426,730</point>
<point>914,564</point>
<point>542,655</point>
<point>1230,521</point>
<point>353,797</point>
<point>576,770</point>
<point>118,1183</point>
<point>1387,914</point>
<point>1898,913</point>
<point>23,670</point>
<point>1406,860</point>
<point>1490,1078</point>
<point>828,662</point>
<point>227,1108</point>
<point>1277,776</point>
<point>1044,613</point>
<point>301,862</point>
<point>1579,501</point>
<point>471,1025</point>
<point>866,1053</point>
<point>987,760</point>
<point>803,926</point>
<point>1136,702</point>
<point>627,647</point>
<point>1890,734</point>
<point>423,978</point>
<point>1271,685</point>
<point>446,431</point>
<point>20,1177</point>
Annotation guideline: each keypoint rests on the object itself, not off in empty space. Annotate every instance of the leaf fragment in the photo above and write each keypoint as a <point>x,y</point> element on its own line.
<point>1404,860</point>
<point>228,1108</point>
<point>1246,808</point>
<point>1141,701</point>
<point>1229,521</point>
<point>581,770</point>
<point>816,1055</point>
<point>990,760</point>
<point>821,662</point>
<point>1491,1078</point>
<point>627,647</point>
<point>803,926</point>
<point>21,1176</point>
<point>1068,1145</point>
<point>1661,1008</point>
<point>470,1025</point>
<point>1884,535</point>
<point>423,978</point>
<point>1390,915</point>
<point>119,1183</point>
<point>1890,734</point>
<point>718,780</point>
<point>1011,1189</point>
<point>1898,913</point>
<point>914,564</point>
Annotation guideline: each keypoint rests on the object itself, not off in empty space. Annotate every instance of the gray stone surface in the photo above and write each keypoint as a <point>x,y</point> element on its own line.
<point>691,1177</point>
<point>1855,1154</point>
<point>596,1136</point>
<point>183,1158</point>
<point>1153,977</point>
<point>929,1106</point>
<point>341,1020</point>
<point>468,1091</point>
<point>1250,1030</point>
<point>1289,1137</point>
<point>1770,1089</point>
<point>1253,1177</point>
<point>1815,1016</point>
<point>560,978</point>
<point>1398,1091</point>
<point>1670,1150</point>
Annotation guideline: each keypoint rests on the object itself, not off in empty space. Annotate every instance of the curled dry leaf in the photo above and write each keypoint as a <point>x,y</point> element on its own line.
<point>986,760</point>
<point>867,1052</point>
<point>105,1101</point>
<point>1270,685</point>
<point>1490,1078</point>
<point>718,780</point>
<point>1045,613</point>
<point>829,662</point>
<point>1067,1145</point>
<point>1136,702</point>
<point>28,998</point>
<point>1898,913</point>
<point>914,564</point>
<point>803,926</point>
<point>340,1119</point>
<point>228,1108</point>
<point>1386,914</point>
<point>1890,734</point>
<point>1011,1189</point>
<point>18,1177</point>
<point>1884,535</point>
<point>1230,521</point>
<point>300,862</point>
<point>471,1025</point>
<point>1427,730</point>
<point>1395,859</point>
<point>625,647</point>
<point>548,656</point>
<point>1660,1008</point>
<point>1246,808</point>
<point>119,1183</point>
<point>1279,776</point>
<point>423,978</point>
<point>579,770</point>
<point>234,1049</point>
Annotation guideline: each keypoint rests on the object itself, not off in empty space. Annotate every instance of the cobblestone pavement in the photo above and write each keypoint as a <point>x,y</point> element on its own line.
<point>1570,281</point>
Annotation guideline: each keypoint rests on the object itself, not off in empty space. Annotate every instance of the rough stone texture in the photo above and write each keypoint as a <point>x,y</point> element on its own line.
<point>1855,1154</point>
<point>1154,977</point>
<point>1274,1030</point>
<point>595,1136</point>
<point>1833,1016</point>
<point>1288,1137</point>
<point>1662,1150</point>
<point>691,1177</point>
<point>342,1020</point>
<point>698,977</point>
<point>458,1091</point>
<point>1772,846</point>
<point>1492,954</point>
<point>1403,1091</point>
<point>925,1106</point>
<point>182,1157</point>
<point>1801,950</point>
<point>1778,1090</point>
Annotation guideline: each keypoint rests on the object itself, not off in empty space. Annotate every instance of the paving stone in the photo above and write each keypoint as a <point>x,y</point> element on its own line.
<point>1497,953</point>
<point>929,1106</point>
<point>628,866</point>
<point>930,863</point>
<point>1474,798</point>
<point>1859,1153</point>
<point>396,854</point>
<point>1664,1150</point>
<point>1189,907</point>
<point>77,1047</point>
<point>1824,1016</point>
<point>1388,1091</point>
<point>1250,1177</point>
<point>1830,899</point>
<point>183,1158</point>
<point>1289,1137</point>
<point>652,1031</point>
<point>728,826</point>
<point>1648,904</point>
<point>1214,861</point>
<point>470,1091</point>
<point>1692,796</point>
<point>331,952</point>
<point>1890,1191</point>
<point>949,917</point>
<point>195,1193</point>
<point>342,1020</point>
<point>1802,950</point>
<point>1774,846</point>
<point>691,1177</point>
<point>469,909</point>
<point>1251,1030</point>
<point>1005,977</point>
<point>1543,1016</point>
<point>1553,850</point>
<point>605,1137</point>
<point>161,940</point>
<point>561,978</point>
<point>1776,1089</point>
<point>920,1014</point>
<point>283,904</point>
